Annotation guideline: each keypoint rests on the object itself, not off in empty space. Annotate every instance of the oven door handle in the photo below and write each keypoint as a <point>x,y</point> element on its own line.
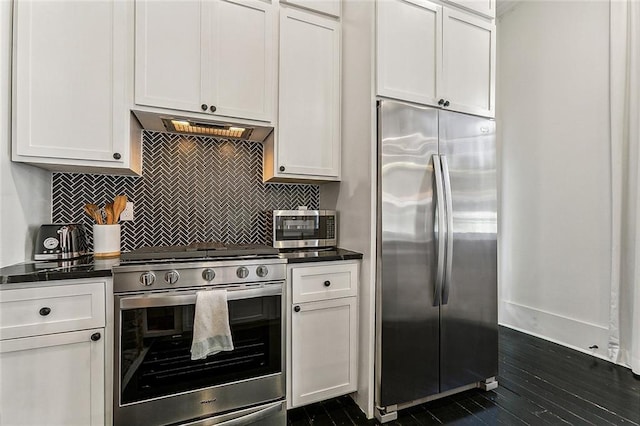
<point>189,298</point>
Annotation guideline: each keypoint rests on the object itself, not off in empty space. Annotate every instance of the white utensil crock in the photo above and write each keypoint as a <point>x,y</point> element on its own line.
<point>106,240</point>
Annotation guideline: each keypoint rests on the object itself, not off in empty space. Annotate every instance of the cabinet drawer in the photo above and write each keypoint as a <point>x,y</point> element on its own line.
<point>44,310</point>
<point>313,283</point>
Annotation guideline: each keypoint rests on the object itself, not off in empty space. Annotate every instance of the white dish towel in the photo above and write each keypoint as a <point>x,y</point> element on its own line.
<point>211,331</point>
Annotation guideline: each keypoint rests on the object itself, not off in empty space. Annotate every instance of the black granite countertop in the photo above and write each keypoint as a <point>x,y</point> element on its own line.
<point>319,255</point>
<point>83,267</point>
<point>89,267</point>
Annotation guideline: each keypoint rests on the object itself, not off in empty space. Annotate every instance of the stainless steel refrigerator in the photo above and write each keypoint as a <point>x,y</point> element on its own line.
<point>436,295</point>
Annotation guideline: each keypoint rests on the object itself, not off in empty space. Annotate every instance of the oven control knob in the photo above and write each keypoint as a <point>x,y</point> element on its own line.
<point>147,279</point>
<point>262,271</point>
<point>242,272</point>
<point>171,277</point>
<point>208,274</point>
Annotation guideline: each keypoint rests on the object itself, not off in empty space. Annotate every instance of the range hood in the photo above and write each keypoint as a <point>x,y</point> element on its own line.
<point>194,126</point>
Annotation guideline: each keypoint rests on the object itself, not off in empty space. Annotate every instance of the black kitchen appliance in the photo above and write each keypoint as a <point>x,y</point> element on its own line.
<point>59,241</point>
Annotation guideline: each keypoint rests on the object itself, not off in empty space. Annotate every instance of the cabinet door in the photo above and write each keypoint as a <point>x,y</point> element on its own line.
<point>483,7</point>
<point>53,379</point>
<point>329,7</point>
<point>409,50</point>
<point>309,103</point>
<point>241,60</point>
<point>168,54</point>
<point>70,79</point>
<point>323,350</point>
<point>468,63</point>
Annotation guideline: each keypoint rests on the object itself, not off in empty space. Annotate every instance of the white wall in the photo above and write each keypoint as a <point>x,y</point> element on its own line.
<point>25,191</point>
<point>555,210</point>
<point>352,197</point>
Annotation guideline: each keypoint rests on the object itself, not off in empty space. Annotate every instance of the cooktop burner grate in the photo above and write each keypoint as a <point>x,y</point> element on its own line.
<point>200,250</point>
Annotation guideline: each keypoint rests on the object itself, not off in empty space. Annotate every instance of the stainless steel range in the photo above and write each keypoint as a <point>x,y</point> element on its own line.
<point>155,380</point>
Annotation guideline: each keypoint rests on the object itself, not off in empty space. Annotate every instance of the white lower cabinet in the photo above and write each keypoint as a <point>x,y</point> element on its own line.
<point>323,355</point>
<point>55,379</point>
<point>52,354</point>
<point>322,358</point>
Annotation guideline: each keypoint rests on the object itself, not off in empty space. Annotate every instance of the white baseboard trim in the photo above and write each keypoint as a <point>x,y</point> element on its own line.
<point>565,331</point>
<point>635,365</point>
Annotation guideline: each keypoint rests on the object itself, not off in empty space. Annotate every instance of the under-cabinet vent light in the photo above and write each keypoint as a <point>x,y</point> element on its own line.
<point>161,122</point>
<point>206,129</point>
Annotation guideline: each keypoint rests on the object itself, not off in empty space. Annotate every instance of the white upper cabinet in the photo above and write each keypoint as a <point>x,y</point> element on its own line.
<point>482,7</point>
<point>328,7</point>
<point>307,142</point>
<point>468,58</point>
<point>409,49</point>
<point>72,86</point>
<point>435,55</point>
<point>212,57</point>
<point>168,54</point>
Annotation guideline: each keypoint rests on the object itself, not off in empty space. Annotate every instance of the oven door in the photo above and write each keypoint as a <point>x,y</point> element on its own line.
<point>157,383</point>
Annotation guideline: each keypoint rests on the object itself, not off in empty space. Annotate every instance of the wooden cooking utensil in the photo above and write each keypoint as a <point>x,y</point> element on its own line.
<point>89,212</point>
<point>96,214</point>
<point>108,209</point>
<point>119,204</point>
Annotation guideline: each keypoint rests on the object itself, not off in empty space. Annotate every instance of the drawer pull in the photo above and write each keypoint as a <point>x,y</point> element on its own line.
<point>45,311</point>
<point>297,308</point>
<point>327,283</point>
<point>95,337</point>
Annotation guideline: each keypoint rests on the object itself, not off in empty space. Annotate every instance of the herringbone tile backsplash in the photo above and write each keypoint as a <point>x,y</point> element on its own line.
<point>193,189</point>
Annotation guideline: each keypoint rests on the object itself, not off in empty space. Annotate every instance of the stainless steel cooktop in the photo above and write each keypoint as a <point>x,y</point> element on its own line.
<point>205,250</point>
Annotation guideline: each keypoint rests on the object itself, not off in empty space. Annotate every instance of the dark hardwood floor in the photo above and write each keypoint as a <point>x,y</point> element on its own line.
<point>541,383</point>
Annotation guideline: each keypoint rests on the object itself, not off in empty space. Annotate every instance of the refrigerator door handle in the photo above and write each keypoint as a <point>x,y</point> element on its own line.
<point>440,234</point>
<point>449,208</point>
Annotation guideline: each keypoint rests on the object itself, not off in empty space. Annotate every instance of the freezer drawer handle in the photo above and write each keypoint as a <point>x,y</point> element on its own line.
<point>440,236</point>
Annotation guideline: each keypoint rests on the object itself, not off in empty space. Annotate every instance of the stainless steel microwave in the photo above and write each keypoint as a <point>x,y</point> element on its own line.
<point>304,228</point>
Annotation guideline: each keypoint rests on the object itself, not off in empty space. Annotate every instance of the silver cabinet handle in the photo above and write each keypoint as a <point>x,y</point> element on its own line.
<point>449,204</point>
<point>440,210</point>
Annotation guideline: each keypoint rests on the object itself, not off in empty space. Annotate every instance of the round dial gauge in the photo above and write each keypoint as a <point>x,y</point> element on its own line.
<point>50,243</point>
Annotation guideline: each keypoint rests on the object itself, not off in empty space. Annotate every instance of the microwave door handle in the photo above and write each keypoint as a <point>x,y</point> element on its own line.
<point>189,298</point>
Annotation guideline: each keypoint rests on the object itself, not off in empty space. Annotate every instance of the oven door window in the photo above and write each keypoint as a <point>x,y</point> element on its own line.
<point>155,349</point>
